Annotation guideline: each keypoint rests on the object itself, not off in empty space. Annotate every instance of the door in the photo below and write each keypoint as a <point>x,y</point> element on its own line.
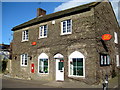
<point>59,70</point>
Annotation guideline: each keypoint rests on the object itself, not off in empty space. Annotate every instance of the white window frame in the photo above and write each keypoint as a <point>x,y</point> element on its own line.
<point>115,37</point>
<point>117,61</point>
<point>43,30</point>
<point>105,60</point>
<point>76,54</point>
<point>43,56</point>
<point>25,36</point>
<point>23,58</point>
<point>66,27</point>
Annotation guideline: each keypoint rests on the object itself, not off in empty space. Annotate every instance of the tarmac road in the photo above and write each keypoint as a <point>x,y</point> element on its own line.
<point>16,83</point>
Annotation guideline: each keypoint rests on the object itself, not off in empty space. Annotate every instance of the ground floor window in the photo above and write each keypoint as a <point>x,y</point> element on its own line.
<point>76,67</point>
<point>24,59</point>
<point>43,63</point>
<point>76,64</point>
<point>104,60</point>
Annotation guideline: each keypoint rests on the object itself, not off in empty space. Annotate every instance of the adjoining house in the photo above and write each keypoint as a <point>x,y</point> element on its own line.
<point>68,45</point>
<point>5,51</point>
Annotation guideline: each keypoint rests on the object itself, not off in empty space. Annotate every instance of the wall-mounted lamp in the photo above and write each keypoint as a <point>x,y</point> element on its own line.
<point>30,57</point>
<point>15,57</point>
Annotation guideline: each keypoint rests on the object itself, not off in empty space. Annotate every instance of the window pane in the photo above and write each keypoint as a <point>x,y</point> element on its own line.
<point>45,30</point>
<point>26,35</point>
<point>79,61</point>
<point>74,62</point>
<point>64,26</point>
<point>105,60</point>
<point>60,66</point>
<point>41,29</point>
<point>68,25</point>
<point>80,71</point>
<point>22,58</point>
<point>45,69</point>
<point>25,62</point>
<point>77,66</point>
<point>74,70</point>
<point>101,60</point>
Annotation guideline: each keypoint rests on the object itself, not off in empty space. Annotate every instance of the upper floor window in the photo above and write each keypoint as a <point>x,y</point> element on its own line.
<point>117,60</point>
<point>24,59</point>
<point>43,31</point>
<point>66,27</point>
<point>104,60</point>
<point>25,35</point>
<point>116,37</point>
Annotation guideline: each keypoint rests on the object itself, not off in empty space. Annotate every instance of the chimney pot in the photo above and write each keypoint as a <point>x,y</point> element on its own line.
<point>40,12</point>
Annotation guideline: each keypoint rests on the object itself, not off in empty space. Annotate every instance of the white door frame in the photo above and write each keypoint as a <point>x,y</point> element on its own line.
<point>59,73</point>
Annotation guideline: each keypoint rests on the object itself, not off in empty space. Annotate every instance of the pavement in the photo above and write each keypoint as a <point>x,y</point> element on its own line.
<point>8,82</point>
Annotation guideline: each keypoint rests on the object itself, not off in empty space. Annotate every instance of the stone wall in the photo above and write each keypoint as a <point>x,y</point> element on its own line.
<point>106,24</point>
<point>87,28</point>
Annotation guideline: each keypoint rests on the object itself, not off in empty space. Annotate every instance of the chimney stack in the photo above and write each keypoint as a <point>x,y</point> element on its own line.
<point>40,12</point>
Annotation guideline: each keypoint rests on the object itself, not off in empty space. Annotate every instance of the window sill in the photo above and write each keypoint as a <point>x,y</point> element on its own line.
<point>25,41</point>
<point>24,65</point>
<point>43,73</point>
<point>42,37</point>
<point>66,33</point>
<point>76,76</point>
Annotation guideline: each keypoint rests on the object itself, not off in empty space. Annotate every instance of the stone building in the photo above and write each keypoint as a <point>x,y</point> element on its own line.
<point>67,45</point>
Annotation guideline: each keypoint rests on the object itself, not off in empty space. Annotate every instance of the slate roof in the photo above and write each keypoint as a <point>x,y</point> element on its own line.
<point>56,15</point>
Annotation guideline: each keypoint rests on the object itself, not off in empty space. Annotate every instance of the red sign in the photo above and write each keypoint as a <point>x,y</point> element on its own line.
<point>32,68</point>
<point>61,60</point>
<point>33,43</point>
<point>106,37</point>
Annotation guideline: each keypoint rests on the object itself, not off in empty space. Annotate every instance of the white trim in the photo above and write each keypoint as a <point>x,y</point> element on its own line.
<point>43,56</point>
<point>58,56</point>
<point>79,55</point>
<point>117,61</point>
<point>116,38</point>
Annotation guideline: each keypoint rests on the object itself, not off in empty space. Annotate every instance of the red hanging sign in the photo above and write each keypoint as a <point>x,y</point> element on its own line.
<point>34,43</point>
<point>106,37</point>
<point>32,68</point>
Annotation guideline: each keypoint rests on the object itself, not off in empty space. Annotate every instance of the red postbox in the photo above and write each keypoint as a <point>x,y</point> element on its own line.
<point>32,68</point>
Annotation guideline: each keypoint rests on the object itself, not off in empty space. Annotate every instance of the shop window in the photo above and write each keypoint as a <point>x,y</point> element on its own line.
<point>24,60</point>
<point>43,66</point>
<point>43,63</point>
<point>76,64</point>
<point>104,60</point>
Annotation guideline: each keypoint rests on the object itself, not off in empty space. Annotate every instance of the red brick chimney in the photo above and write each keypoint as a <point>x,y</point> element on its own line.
<point>40,12</point>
